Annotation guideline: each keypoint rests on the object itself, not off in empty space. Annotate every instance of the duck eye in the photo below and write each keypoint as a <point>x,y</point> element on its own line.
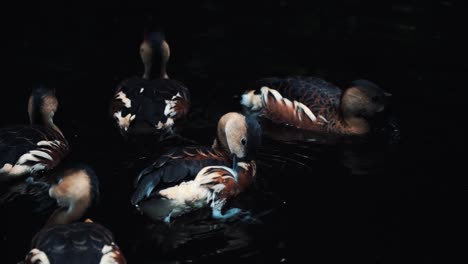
<point>375,98</point>
<point>243,141</point>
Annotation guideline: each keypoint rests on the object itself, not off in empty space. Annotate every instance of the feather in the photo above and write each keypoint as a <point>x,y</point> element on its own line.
<point>181,164</point>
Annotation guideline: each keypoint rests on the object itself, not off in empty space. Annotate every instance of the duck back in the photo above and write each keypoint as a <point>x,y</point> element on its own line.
<point>151,104</point>
<point>320,96</point>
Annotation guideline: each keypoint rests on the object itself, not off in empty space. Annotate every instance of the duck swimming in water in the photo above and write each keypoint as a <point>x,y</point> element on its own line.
<point>192,177</point>
<point>153,103</point>
<point>71,191</point>
<point>28,150</point>
<point>311,103</point>
<point>80,242</point>
<point>62,240</point>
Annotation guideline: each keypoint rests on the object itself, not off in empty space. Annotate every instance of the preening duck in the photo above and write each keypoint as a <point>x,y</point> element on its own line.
<point>153,103</point>
<point>313,104</point>
<point>69,192</point>
<point>28,150</point>
<point>191,177</point>
<point>81,242</point>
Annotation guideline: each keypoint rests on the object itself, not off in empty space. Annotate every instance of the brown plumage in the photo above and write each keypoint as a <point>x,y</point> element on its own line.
<point>180,174</point>
<point>237,135</point>
<point>313,104</point>
<point>235,182</point>
<point>246,175</point>
<point>81,242</point>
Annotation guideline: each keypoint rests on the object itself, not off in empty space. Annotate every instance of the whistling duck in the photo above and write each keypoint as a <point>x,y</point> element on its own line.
<point>73,189</point>
<point>153,103</point>
<point>81,242</point>
<point>191,177</point>
<point>311,103</point>
<point>38,147</point>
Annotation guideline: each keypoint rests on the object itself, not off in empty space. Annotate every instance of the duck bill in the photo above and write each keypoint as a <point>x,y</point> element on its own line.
<point>234,162</point>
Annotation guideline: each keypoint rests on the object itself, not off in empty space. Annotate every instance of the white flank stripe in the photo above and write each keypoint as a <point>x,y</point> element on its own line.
<point>323,118</point>
<point>288,102</point>
<point>123,97</point>
<point>37,167</point>
<point>296,110</point>
<point>264,92</point>
<point>299,107</point>
<point>38,257</point>
<point>26,157</point>
<point>48,151</point>
<point>307,111</point>
<point>41,154</point>
<point>276,94</point>
<point>56,143</point>
<point>243,165</point>
<point>45,143</point>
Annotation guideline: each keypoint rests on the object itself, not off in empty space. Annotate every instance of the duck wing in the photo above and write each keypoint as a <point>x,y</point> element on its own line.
<point>80,242</point>
<point>320,96</point>
<point>29,150</point>
<point>179,164</point>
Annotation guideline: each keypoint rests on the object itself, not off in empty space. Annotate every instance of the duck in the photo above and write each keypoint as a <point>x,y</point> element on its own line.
<point>313,104</point>
<point>69,192</point>
<point>29,150</point>
<point>80,242</point>
<point>191,177</point>
<point>153,103</point>
<point>60,197</point>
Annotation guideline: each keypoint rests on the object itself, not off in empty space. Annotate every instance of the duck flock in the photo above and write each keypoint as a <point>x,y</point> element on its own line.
<point>178,181</point>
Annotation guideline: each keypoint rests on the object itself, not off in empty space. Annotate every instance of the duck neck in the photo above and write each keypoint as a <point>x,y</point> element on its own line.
<point>66,215</point>
<point>155,69</point>
<point>354,125</point>
<point>36,117</point>
<point>50,123</point>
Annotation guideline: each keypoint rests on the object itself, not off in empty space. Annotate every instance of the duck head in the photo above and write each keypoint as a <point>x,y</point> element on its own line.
<point>76,190</point>
<point>362,101</point>
<point>155,53</point>
<point>238,135</point>
<point>42,106</point>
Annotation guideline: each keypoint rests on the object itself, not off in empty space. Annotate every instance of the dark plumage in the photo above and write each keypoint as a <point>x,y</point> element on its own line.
<point>153,103</point>
<point>149,100</point>
<point>17,141</point>
<point>30,149</point>
<point>81,242</point>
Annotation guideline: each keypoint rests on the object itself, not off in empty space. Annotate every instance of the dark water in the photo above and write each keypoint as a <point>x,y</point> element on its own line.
<point>384,200</point>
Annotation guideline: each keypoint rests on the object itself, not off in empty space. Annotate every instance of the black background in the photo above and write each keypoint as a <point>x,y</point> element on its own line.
<point>410,48</point>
